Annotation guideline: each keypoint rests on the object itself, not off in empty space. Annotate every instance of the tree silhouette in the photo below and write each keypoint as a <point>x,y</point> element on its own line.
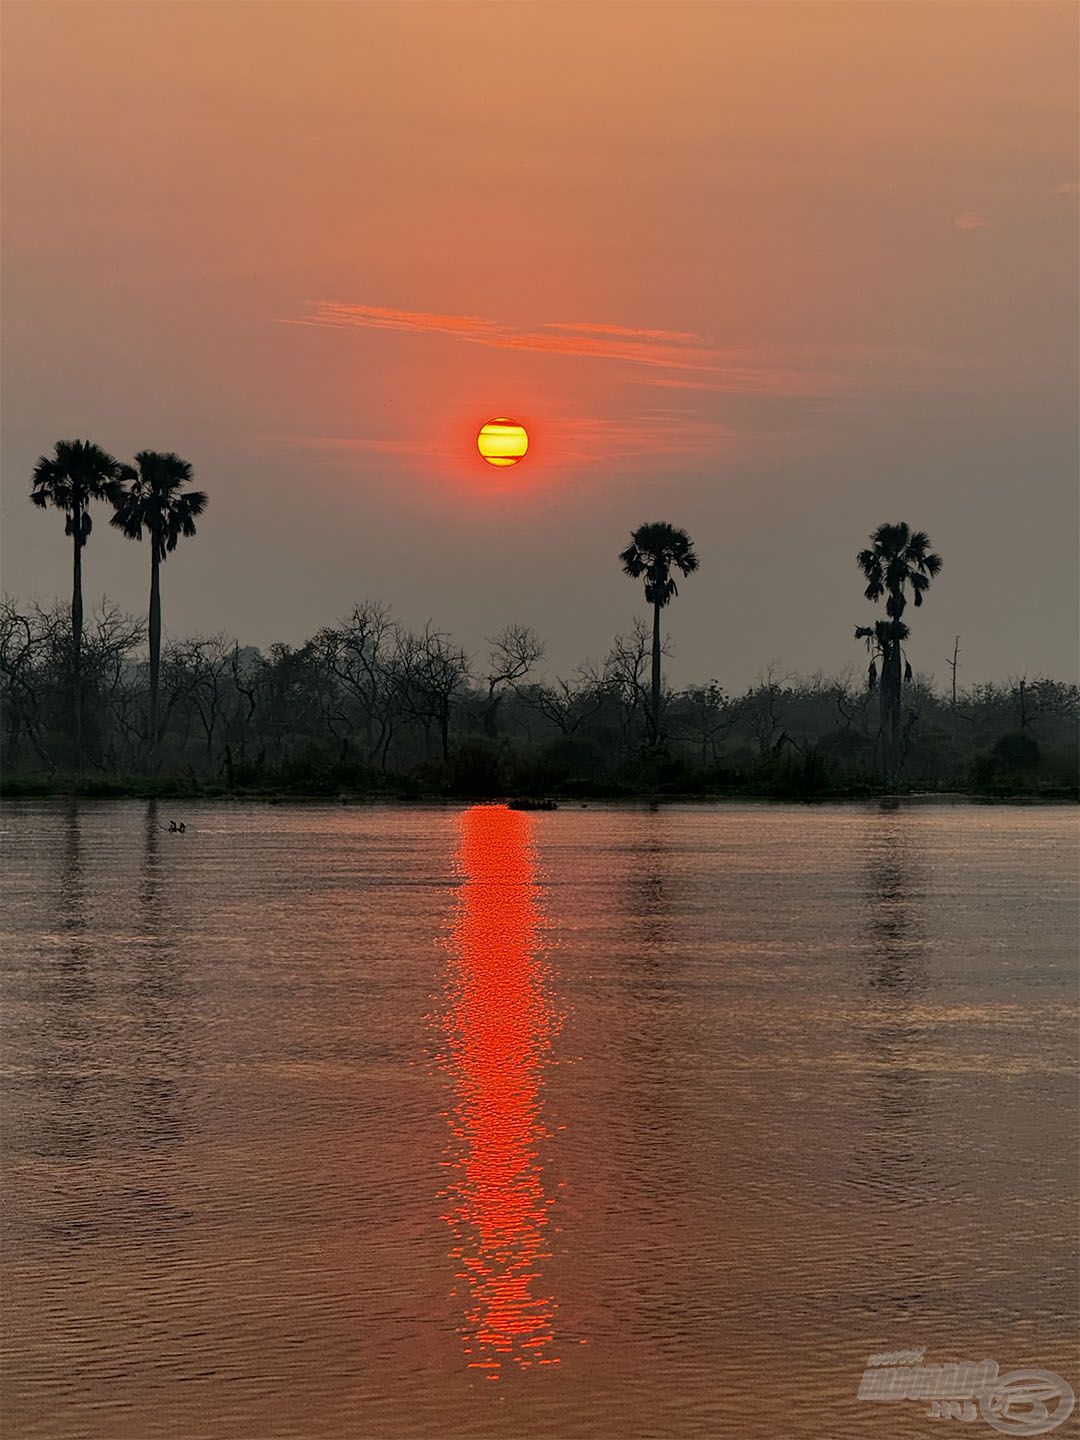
<point>514,652</point>
<point>70,479</point>
<point>156,502</point>
<point>654,551</point>
<point>898,558</point>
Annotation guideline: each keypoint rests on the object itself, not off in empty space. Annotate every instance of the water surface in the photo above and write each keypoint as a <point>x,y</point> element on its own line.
<point>353,1122</point>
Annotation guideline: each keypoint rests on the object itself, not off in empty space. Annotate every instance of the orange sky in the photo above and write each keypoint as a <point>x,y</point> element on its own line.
<point>774,272</point>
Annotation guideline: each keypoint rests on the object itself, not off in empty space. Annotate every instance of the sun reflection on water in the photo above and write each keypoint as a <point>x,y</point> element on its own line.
<point>500,1025</point>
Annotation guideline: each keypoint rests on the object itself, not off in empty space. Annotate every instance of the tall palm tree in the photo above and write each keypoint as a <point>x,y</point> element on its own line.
<point>655,551</point>
<point>70,479</point>
<point>156,501</point>
<point>899,558</point>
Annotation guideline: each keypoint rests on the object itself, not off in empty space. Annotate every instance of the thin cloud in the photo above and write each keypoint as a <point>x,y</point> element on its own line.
<point>678,336</point>
<point>378,317</point>
<point>1067,187</point>
<point>969,220</point>
<point>674,351</point>
<point>595,347</point>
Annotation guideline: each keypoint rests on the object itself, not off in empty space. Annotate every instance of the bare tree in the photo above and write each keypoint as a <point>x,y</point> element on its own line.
<point>428,674</point>
<point>761,709</point>
<point>568,704</point>
<point>195,673</point>
<point>626,673</point>
<point>113,676</point>
<point>851,702</point>
<point>292,699</point>
<point>705,714</point>
<point>1031,699</point>
<point>28,641</point>
<point>243,675</point>
<point>515,650</point>
<point>359,652</point>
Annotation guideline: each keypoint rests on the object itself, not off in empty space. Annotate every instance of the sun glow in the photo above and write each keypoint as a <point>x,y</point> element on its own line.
<point>502,442</point>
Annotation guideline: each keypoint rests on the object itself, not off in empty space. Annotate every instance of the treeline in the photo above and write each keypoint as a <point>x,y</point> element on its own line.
<point>370,706</point>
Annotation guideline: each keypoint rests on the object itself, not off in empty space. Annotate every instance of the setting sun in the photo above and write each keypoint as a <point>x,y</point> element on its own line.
<point>502,442</point>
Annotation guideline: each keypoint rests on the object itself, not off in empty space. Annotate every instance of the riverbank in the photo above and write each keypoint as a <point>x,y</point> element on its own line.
<point>186,788</point>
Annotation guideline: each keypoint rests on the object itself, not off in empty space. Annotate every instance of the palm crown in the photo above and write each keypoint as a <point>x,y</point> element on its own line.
<point>898,557</point>
<point>654,551</point>
<point>76,473</point>
<point>156,501</point>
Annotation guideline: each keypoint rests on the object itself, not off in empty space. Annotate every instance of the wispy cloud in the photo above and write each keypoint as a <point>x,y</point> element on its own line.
<point>587,328</point>
<point>970,220</point>
<point>677,352</point>
<point>1067,187</point>
<point>380,317</point>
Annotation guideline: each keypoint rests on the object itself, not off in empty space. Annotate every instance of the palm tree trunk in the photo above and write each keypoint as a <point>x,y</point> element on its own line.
<point>155,645</point>
<point>656,673</point>
<point>76,635</point>
<point>891,681</point>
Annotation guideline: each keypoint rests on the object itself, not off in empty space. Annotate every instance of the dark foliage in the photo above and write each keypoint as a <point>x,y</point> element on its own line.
<point>368,707</point>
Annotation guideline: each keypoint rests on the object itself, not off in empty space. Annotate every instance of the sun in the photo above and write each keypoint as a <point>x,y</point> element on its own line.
<point>502,442</point>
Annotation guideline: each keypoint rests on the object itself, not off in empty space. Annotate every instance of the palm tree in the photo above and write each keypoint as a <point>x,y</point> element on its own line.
<point>70,479</point>
<point>898,558</point>
<point>654,551</point>
<point>155,501</point>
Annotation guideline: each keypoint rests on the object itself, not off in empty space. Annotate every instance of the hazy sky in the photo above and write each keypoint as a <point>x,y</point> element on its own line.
<point>775,273</point>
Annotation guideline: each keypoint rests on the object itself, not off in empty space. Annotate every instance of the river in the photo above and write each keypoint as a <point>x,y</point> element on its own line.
<point>344,1123</point>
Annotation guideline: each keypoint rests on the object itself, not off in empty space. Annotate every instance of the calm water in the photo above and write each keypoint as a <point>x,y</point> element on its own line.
<point>342,1122</point>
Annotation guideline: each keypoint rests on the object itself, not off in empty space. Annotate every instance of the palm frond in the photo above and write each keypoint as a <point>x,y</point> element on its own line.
<point>76,473</point>
<point>156,502</point>
<point>898,557</point>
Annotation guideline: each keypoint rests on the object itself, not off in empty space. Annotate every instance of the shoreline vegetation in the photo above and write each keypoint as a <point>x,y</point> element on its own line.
<point>359,799</point>
<point>367,709</point>
<point>54,787</point>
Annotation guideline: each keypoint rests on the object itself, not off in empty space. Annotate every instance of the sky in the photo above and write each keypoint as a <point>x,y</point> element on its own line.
<point>775,273</point>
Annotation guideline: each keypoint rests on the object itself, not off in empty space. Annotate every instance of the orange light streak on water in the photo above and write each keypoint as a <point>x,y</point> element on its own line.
<point>500,1025</point>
